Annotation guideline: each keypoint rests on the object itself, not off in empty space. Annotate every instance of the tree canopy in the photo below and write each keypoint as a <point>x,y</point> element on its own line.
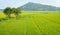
<point>8,11</point>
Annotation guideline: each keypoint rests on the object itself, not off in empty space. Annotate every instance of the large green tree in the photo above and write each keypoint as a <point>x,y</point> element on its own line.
<point>14,11</point>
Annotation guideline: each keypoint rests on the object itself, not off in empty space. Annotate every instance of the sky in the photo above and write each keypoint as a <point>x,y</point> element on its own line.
<point>18,3</point>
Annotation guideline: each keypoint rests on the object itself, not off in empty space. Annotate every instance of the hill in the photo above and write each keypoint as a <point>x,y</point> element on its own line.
<point>37,6</point>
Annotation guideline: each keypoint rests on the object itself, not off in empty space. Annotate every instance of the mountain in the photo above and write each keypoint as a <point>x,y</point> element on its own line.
<point>37,6</point>
<point>1,9</point>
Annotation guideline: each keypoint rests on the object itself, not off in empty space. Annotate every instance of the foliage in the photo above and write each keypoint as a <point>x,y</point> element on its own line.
<point>8,11</point>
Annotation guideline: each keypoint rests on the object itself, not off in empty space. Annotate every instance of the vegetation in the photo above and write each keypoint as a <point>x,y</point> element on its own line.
<point>32,23</point>
<point>8,11</point>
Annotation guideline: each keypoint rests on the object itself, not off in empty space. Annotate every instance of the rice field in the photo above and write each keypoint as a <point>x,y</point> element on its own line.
<point>31,23</point>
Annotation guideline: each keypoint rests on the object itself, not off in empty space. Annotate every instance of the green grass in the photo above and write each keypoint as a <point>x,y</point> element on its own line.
<point>32,23</point>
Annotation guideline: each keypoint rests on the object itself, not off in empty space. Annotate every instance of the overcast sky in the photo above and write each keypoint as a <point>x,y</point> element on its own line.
<point>18,3</point>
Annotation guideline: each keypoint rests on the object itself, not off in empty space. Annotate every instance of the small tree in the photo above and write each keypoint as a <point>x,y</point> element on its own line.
<point>7,11</point>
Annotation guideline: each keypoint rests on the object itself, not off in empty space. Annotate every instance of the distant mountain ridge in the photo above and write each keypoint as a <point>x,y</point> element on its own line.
<point>1,9</point>
<point>36,6</point>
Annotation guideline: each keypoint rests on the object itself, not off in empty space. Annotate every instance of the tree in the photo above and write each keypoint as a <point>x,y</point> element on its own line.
<point>7,11</point>
<point>14,11</point>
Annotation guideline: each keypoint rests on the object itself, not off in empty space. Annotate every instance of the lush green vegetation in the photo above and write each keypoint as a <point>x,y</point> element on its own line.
<point>8,11</point>
<point>31,23</point>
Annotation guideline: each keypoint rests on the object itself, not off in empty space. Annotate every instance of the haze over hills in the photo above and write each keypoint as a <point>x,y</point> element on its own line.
<point>2,9</point>
<point>37,6</point>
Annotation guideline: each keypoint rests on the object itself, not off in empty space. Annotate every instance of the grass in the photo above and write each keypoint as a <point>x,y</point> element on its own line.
<point>32,23</point>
